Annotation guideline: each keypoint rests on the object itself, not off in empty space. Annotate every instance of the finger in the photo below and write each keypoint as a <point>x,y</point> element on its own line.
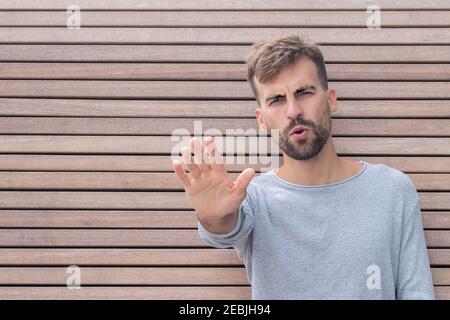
<point>206,164</point>
<point>215,158</point>
<point>184,178</point>
<point>194,170</point>
<point>243,180</point>
<point>198,155</point>
<point>196,150</point>
<point>206,157</point>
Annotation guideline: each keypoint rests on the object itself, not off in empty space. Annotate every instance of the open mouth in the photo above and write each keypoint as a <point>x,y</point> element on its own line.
<point>298,131</point>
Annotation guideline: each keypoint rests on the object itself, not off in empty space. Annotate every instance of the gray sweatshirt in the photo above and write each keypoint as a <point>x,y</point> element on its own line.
<point>359,238</point>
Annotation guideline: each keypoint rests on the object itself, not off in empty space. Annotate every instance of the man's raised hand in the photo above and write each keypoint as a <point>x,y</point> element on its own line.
<point>210,190</point>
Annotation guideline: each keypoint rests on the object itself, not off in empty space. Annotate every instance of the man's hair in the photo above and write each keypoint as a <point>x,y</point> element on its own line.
<point>268,58</point>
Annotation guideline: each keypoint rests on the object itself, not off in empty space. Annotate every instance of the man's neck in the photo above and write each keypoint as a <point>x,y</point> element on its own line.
<point>314,171</point>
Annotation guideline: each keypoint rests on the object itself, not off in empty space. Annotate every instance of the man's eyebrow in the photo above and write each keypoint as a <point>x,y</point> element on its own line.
<point>274,96</point>
<point>299,89</point>
<point>306,87</point>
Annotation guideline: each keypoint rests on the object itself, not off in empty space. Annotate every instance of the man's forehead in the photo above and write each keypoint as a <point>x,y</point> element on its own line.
<point>275,90</point>
<point>299,74</point>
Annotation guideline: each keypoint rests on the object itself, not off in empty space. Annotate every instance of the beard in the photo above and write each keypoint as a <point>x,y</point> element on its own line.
<point>316,140</point>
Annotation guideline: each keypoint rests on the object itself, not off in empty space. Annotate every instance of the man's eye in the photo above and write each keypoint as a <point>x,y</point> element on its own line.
<point>305,92</point>
<point>274,101</point>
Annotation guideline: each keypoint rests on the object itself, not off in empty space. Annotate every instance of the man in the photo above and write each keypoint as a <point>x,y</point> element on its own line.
<point>320,226</point>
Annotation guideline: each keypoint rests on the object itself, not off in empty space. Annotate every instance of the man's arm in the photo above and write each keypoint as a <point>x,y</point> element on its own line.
<point>239,235</point>
<point>414,280</point>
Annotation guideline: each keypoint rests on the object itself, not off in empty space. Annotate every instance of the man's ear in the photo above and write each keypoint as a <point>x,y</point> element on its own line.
<point>332,100</point>
<point>260,118</point>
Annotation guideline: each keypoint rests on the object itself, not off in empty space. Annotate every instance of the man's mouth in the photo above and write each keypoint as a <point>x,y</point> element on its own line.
<point>298,130</point>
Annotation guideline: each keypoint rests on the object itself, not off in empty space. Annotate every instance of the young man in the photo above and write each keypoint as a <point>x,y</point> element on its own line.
<point>320,226</point>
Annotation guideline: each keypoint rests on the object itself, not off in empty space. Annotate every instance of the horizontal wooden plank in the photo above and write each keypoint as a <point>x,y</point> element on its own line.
<point>103,181</point>
<point>213,53</point>
<point>145,163</point>
<point>146,276</point>
<point>140,108</point>
<point>94,200</point>
<point>128,293</point>
<point>439,257</point>
<point>226,18</point>
<point>431,182</point>
<point>141,257</point>
<point>144,257</point>
<point>146,293</point>
<point>168,126</point>
<point>136,276</point>
<point>208,89</point>
<point>217,5</point>
<point>138,219</point>
<point>136,238</point>
<point>139,200</point>
<point>111,219</point>
<point>220,35</point>
<point>441,276</point>
<point>164,144</point>
<point>100,238</point>
<point>147,181</point>
<point>210,71</point>
<point>436,219</point>
<point>437,238</point>
<point>210,109</point>
<point>152,126</point>
<point>139,163</point>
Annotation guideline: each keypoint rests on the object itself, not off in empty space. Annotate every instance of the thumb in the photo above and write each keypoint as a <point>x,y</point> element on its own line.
<point>244,179</point>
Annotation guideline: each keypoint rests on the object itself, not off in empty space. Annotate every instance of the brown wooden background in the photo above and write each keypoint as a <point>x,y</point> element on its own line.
<point>86,118</point>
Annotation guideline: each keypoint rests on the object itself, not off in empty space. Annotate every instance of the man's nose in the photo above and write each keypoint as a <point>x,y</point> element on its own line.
<point>294,109</point>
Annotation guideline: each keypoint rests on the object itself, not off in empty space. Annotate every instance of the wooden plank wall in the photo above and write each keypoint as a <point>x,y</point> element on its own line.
<point>87,116</point>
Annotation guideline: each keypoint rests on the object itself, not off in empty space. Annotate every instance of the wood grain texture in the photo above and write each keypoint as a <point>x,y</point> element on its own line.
<point>148,238</point>
<point>132,293</point>
<point>87,117</point>
<point>147,293</point>
<point>214,5</point>
<point>67,144</point>
<point>168,126</point>
<point>292,18</point>
<point>213,53</point>
<point>196,89</point>
<point>145,257</point>
<point>147,276</point>
<point>200,110</point>
<point>147,181</point>
<point>211,71</point>
<point>144,163</point>
<point>204,35</point>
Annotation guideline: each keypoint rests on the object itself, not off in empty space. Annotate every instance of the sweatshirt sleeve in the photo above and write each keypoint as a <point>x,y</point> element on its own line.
<point>414,279</point>
<point>241,233</point>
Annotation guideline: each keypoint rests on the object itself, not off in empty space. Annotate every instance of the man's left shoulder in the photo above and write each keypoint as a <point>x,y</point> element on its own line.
<point>395,180</point>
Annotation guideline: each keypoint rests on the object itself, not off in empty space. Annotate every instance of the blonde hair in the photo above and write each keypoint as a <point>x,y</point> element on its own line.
<point>268,58</point>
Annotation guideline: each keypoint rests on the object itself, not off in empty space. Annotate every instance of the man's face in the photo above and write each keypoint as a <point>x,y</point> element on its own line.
<point>296,97</point>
